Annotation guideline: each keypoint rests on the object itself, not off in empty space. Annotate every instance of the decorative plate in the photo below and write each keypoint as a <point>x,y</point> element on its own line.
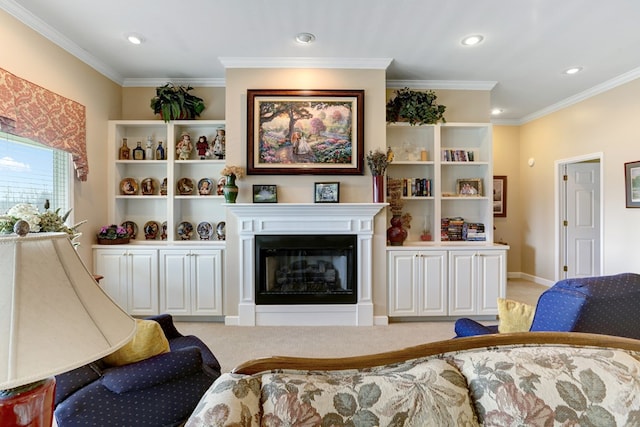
<point>220,230</point>
<point>205,186</point>
<point>129,187</point>
<point>185,186</point>
<point>148,186</point>
<point>222,181</point>
<point>185,229</point>
<point>131,227</point>
<point>151,229</point>
<point>163,236</point>
<point>205,230</point>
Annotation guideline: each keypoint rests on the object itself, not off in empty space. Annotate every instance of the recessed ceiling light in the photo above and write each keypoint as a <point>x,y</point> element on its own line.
<point>472,40</point>
<point>572,70</point>
<point>135,38</point>
<point>305,38</point>
<point>496,111</point>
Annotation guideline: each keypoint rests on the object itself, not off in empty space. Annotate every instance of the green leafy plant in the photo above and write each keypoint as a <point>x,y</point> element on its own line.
<point>175,102</point>
<point>415,107</point>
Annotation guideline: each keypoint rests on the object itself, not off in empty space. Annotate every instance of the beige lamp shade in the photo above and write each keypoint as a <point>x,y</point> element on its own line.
<point>54,317</point>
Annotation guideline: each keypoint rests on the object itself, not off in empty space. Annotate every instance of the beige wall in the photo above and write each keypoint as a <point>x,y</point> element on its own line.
<point>136,100</point>
<point>607,124</point>
<point>32,57</point>
<point>506,161</point>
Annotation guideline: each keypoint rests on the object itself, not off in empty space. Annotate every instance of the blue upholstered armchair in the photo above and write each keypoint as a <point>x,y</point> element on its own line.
<point>606,305</point>
<point>159,391</point>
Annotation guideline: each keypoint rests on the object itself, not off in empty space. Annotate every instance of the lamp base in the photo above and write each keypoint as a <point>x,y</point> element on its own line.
<point>30,405</point>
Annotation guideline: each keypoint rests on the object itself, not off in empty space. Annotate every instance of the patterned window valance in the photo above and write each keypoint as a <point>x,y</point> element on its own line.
<point>34,112</point>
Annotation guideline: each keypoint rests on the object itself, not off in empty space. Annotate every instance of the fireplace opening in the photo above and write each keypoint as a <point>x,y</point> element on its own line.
<point>306,269</point>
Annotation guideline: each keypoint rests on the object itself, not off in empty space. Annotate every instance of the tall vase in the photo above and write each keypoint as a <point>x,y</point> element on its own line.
<point>378,188</point>
<point>230,189</point>
<point>396,235</point>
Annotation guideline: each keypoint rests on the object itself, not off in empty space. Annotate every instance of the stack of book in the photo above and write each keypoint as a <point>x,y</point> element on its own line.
<point>456,229</point>
<point>473,231</point>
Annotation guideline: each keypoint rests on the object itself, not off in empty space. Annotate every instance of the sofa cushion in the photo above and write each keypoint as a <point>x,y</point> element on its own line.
<point>547,384</point>
<point>429,393</point>
<point>514,316</point>
<point>148,341</point>
<point>232,400</point>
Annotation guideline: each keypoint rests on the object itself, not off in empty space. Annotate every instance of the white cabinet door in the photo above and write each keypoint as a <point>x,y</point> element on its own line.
<point>112,264</point>
<point>175,289</point>
<point>143,282</point>
<point>478,279</point>
<point>206,282</point>
<point>417,283</point>
<point>492,281</point>
<point>191,281</point>
<point>403,282</point>
<point>433,283</point>
<point>130,278</point>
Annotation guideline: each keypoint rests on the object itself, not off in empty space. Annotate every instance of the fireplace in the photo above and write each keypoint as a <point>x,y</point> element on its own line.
<point>349,224</point>
<point>305,269</point>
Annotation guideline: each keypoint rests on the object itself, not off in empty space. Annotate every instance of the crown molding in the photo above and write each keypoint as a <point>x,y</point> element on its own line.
<point>44,29</point>
<point>305,62</point>
<point>155,82</point>
<point>442,84</point>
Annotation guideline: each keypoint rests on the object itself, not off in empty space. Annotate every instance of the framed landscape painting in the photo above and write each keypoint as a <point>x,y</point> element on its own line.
<point>291,132</point>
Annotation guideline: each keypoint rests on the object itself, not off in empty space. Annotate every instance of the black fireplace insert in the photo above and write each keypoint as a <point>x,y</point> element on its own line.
<point>306,269</point>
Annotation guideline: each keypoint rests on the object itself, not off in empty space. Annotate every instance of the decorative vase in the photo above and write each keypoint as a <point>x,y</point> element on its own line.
<point>378,188</point>
<point>396,235</point>
<point>230,189</point>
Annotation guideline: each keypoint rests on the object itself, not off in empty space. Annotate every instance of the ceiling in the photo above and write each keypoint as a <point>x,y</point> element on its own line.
<point>527,43</point>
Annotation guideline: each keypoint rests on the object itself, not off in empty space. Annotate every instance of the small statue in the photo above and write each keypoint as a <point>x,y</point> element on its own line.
<point>203,147</point>
<point>219,144</point>
<point>184,147</point>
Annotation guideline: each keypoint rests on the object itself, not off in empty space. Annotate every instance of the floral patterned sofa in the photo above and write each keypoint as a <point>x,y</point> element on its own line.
<point>532,378</point>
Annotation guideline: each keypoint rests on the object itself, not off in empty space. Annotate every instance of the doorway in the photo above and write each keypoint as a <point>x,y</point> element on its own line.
<point>579,217</point>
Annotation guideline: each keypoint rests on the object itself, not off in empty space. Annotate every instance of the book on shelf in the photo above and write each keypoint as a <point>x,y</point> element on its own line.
<point>416,187</point>
<point>457,155</point>
<point>457,229</point>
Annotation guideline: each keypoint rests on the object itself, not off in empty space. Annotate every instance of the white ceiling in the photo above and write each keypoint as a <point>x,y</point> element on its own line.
<point>527,43</point>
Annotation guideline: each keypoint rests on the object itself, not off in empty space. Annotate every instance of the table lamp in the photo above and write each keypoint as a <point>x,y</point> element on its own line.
<point>54,317</point>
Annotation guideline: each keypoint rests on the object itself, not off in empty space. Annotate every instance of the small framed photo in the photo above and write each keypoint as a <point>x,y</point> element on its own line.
<point>500,196</point>
<point>632,184</point>
<point>326,192</point>
<point>265,194</point>
<point>469,187</point>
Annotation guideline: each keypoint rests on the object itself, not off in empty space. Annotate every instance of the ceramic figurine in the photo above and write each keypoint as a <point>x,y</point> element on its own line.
<point>184,147</point>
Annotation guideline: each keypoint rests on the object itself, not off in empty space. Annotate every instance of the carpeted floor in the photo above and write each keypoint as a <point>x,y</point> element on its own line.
<point>235,344</point>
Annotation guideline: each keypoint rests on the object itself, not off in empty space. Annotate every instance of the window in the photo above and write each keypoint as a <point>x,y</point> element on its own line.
<point>33,173</point>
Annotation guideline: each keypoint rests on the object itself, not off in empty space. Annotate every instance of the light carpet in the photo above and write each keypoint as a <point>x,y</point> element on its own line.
<point>233,345</point>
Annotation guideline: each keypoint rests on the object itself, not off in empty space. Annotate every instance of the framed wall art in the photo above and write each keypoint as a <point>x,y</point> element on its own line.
<point>469,187</point>
<point>291,132</point>
<point>326,192</point>
<point>632,183</point>
<point>500,196</point>
<point>265,194</point>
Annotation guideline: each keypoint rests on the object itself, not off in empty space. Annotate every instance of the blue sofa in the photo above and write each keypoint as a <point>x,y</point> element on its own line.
<point>160,391</point>
<point>606,305</point>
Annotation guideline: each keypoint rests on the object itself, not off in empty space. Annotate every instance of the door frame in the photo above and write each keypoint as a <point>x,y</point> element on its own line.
<point>559,200</point>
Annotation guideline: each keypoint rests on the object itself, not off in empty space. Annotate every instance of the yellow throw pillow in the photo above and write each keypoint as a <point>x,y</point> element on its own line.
<point>148,341</point>
<point>514,316</point>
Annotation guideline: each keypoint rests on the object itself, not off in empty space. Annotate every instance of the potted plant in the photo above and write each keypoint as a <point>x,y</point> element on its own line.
<point>175,102</point>
<point>415,107</point>
<point>113,235</point>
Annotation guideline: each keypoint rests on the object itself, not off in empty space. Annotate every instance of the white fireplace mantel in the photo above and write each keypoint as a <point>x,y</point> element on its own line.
<point>308,219</point>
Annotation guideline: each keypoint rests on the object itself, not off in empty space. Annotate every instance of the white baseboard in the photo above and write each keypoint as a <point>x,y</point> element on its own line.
<point>529,277</point>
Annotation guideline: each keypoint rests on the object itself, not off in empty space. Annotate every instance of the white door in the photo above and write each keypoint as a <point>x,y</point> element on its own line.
<point>581,224</point>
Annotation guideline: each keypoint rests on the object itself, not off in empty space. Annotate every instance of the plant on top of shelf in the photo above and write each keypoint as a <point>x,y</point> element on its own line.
<point>236,171</point>
<point>175,102</point>
<point>415,107</point>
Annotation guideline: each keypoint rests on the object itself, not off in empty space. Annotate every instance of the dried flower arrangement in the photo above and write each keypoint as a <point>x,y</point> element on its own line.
<point>233,170</point>
<point>378,161</point>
